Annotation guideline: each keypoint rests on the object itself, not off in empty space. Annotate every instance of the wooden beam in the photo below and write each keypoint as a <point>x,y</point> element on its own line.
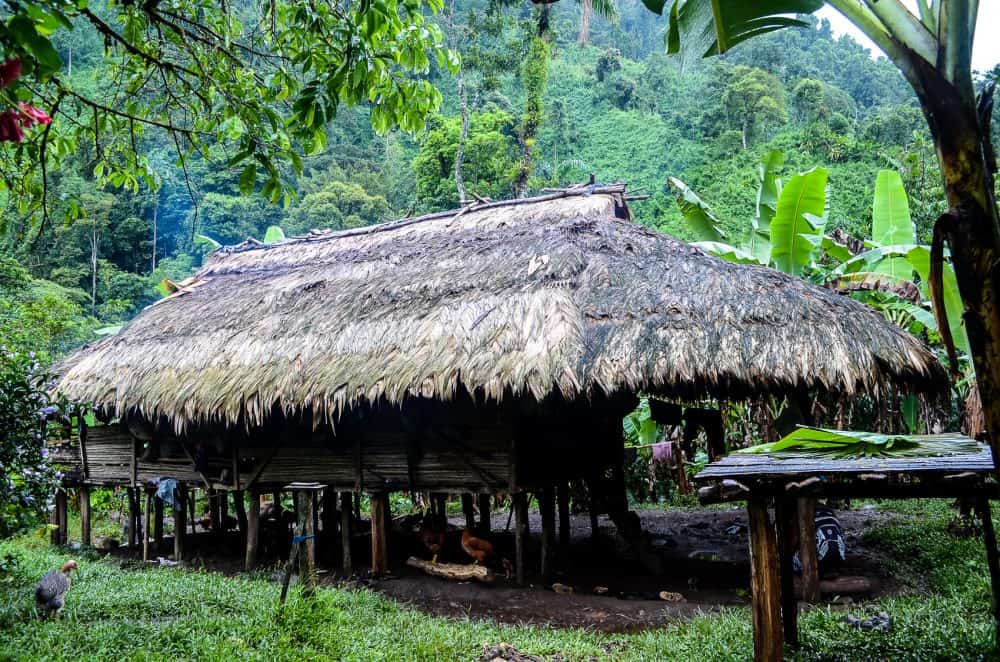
<point>469,511</point>
<point>785,514</point>
<point>992,561</point>
<point>240,508</point>
<point>808,555</point>
<point>252,531</point>
<point>563,494</point>
<point>307,548</point>
<point>547,508</point>
<point>520,533</point>
<point>83,493</point>
<point>63,516</point>
<point>485,525</point>
<point>133,518</point>
<point>180,523</point>
<point>346,512</point>
<point>148,525</point>
<point>54,520</point>
<point>765,584</point>
<point>157,522</point>
<point>380,552</point>
<point>260,468</point>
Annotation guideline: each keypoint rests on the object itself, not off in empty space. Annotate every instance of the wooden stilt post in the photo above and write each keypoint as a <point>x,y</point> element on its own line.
<point>329,513</point>
<point>191,504</point>
<point>54,520</point>
<point>992,560</point>
<point>765,584</point>
<point>148,512</point>
<point>180,524</point>
<point>240,508</point>
<point>61,536</point>
<point>808,556</point>
<point>595,529</point>
<point>380,554</point>
<point>440,502</point>
<point>84,495</point>
<point>520,533</point>
<point>345,531</point>
<point>252,531</point>
<point>547,506</point>
<point>469,511</point>
<point>314,509</point>
<point>157,523</point>
<point>133,518</point>
<point>307,548</point>
<point>563,494</point>
<point>785,514</point>
<point>484,515</point>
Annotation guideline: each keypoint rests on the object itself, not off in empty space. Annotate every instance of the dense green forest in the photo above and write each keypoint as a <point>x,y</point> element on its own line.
<point>598,97</point>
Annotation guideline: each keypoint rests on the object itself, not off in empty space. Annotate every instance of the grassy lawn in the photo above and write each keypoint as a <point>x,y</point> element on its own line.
<point>153,614</point>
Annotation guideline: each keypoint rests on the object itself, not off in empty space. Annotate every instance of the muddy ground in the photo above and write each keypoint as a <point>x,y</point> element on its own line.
<point>705,555</point>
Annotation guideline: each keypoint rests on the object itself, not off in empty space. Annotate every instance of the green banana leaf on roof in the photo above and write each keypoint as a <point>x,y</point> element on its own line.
<point>820,443</point>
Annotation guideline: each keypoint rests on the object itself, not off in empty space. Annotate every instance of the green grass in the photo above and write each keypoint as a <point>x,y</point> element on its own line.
<point>152,614</point>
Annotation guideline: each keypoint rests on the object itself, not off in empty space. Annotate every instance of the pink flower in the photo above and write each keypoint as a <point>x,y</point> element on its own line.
<point>10,127</point>
<point>10,71</point>
<point>31,116</point>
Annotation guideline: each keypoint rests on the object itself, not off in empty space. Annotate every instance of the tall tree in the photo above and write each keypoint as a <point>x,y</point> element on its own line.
<point>933,50</point>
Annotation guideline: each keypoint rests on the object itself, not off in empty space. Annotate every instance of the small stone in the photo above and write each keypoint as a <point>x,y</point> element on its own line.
<point>671,596</point>
<point>562,589</point>
<point>600,590</point>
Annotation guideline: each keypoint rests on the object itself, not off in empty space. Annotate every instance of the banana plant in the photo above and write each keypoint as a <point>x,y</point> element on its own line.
<point>787,228</point>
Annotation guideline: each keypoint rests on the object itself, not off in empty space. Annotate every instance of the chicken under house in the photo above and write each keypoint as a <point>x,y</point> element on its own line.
<point>491,350</point>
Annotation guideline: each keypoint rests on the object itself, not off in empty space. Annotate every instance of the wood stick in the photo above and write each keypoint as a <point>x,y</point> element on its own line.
<point>345,531</point>
<point>992,561</point>
<point>84,495</point>
<point>808,556</point>
<point>133,518</point>
<point>765,584</point>
<point>453,571</point>
<point>148,526</point>
<point>252,531</point>
<point>380,552</point>
<point>785,514</point>
<point>562,490</point>
<point>307,548</point>
<point>485,525</point>
<point>180,526</point>
<point>546,504</point>
<point>157,522</point>
<point>468,511</point>
<point>520,509</point>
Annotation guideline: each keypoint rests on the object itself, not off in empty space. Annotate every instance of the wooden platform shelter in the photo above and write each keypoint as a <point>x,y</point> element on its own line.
<point>788,488</point>
<point>489,349</point>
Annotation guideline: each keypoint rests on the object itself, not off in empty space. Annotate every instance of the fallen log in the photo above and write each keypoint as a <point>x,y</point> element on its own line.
<point>453,571</point>
<point>845,585</point>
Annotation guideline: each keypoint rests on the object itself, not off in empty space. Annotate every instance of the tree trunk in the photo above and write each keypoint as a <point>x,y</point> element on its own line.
<point>971,227</point>
<point>463,107</point>
<point>156,208</point>
<point>586,7</point>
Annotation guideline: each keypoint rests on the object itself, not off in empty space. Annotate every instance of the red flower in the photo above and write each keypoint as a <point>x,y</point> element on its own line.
<point>31,116</point>
<point>10,71</point>
<point>10,127</point>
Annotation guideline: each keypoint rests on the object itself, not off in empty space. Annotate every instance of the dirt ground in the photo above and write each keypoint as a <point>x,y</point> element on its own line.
<point>705,556</point>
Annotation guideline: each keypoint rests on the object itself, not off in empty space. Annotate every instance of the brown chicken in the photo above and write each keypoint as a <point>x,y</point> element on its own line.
<point>50,596</point>
<point>477,548</point>
<point>432,536</point>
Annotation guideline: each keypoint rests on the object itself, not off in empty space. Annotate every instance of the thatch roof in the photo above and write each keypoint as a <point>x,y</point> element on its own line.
<point>556,294</point>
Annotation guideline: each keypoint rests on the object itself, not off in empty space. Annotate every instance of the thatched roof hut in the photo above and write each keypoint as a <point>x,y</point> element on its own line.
<point>561,294</point>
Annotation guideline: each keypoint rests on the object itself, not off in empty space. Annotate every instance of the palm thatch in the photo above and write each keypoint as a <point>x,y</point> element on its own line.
<point>557,294</point>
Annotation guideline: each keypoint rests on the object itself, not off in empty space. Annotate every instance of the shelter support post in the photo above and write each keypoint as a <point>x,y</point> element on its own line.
<point>440,505</point>
<point>520,533</point>
<point>563,494</point>
<point>157,522</point>
<point>304,527</point>
<point>765,584</point>
<point>148,525</point>
<point>180,525</point>
<point>595,527</point>
<point>469,511</point>
<point>484,515</point>
<point>992,560</point>
<point>808,555</point>
<point>329,516</point>
<point>345,530</point>
<point>547,506</point>
<point>240,508</point>
<point>252,530</point>
<point>380,552</point>
<point>59,533</point>
<point>191,503</point>
<point>133,518</point>
<point>54,521</point>
<point>84,495</point>
<point>786,520</point>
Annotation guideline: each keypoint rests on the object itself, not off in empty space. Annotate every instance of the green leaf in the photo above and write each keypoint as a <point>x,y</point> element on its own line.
<point>712,27</point>
<point>796,229</point>
<point>820,443</point>
<point>205,239</point>
<point>891,222</point>
<point>768,190</point>
<point>697,213</point>
<point>248,178</point>
<point>274,234</point>
<point>835,249</point>
<point>728,253</point>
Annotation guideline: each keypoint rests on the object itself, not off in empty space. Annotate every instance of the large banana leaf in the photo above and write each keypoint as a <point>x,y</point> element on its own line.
<point>696,212</point>
<point>820,443</point>
<point>768,190</point>
<point>797,226</point>
<point>728,253</point>
<point>710,27</point>
<point>891,221</point>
